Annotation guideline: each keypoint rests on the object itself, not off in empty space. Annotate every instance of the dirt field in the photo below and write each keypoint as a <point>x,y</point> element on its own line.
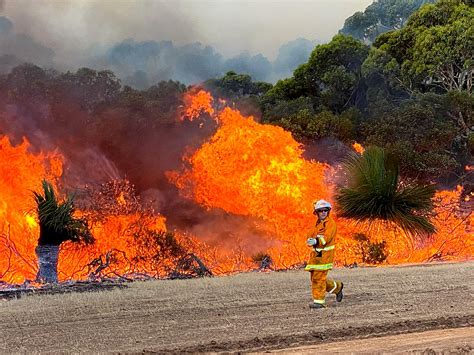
<point>254,312</point>
<point>451,341</point>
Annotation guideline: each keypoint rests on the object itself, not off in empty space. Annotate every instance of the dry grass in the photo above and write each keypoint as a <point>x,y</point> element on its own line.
<point>241,312</point>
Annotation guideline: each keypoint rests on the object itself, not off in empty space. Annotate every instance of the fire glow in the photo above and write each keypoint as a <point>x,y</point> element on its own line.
<point>247,169</point>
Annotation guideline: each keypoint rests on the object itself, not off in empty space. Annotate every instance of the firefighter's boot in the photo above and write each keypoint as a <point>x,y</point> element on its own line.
<point>339,295</point>
<point>315,305</point>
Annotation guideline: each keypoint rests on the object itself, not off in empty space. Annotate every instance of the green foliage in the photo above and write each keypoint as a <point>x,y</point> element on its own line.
<point>460,108</point>
<point>382,75</point>
<point>281,109</point>
<point>233,85</point>
<point>159,103</point>
<point>327,124</point>
<point>240,90</point>
<point>27,82</point>
<point>379,17</point>
<point>90,87</point>
<point>334,71</point>
<point>428,134</point>
<point>307,124</point>
<point>331,77</point>
<point>470,140</point>
<point>374,191</point>
<point>284,90</point>
<point>299,123</point>
<point>56,219</point>
<point>434,49</point>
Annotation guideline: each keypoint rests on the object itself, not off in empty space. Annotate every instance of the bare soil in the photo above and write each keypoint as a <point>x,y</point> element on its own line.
<point>253,312</point>
<point>445,341</point>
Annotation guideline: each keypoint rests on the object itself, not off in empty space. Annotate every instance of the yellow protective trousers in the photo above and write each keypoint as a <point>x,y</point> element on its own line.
<point>320,284</point>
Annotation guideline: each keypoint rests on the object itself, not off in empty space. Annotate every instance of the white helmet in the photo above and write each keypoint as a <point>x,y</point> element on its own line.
<point>321,204</point>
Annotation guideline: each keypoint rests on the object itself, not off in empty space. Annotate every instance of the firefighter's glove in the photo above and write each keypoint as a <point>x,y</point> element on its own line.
<point>312,242</point>
<point>321,239</point>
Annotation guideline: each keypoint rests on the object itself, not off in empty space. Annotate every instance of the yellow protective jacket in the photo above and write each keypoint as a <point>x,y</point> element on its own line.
<point>326,230</point>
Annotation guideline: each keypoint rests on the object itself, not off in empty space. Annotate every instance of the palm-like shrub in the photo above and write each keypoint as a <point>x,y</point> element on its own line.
<point>375,192</point>
<point>57,225</point>
<point>56,219</point>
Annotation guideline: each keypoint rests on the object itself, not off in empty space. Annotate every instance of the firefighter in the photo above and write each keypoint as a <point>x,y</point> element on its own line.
<point>322,242</point>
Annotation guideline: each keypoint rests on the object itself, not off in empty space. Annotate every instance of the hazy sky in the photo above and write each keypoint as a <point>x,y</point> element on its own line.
<point>71,27</point>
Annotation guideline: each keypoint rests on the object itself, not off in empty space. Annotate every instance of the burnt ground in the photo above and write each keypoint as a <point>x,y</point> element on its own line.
<point>10,292</point>
<point>247,312</point>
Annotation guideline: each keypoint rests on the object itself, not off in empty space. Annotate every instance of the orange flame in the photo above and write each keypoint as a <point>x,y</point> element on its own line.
<point>21,172</point>
<point>247,169</point>
<point>121,199</point>
<point>257,170</point>
<point>358,148</point>
<point>197,104</point>
<point>115,238</point>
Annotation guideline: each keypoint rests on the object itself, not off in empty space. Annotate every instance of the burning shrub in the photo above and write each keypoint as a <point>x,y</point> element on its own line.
<point>263,260</point>
<point>190,266</point>
<point>115,197</point>
<point>160,250</point>
<point>370,252</point>
<point>57,225</point>
<point>132,240</point>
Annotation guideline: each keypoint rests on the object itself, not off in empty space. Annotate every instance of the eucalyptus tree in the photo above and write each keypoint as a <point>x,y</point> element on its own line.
<point>379,17</point>
<point>434,51</point>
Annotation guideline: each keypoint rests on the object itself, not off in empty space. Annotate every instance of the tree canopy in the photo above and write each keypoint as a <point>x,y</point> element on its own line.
<point>435,49</point>
<point>410,92</point>
<point>379,17</point>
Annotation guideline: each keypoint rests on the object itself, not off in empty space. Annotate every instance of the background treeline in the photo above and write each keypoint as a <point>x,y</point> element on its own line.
<point>410,92</point>
<point>408,89</point>
<point>142,63</point>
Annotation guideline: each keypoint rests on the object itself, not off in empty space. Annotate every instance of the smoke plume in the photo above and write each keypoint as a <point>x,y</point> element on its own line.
<point>16,48</point>
<point>148,41</point>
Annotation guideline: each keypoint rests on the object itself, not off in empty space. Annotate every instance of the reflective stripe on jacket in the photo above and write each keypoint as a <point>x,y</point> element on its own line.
<point>327,229</point>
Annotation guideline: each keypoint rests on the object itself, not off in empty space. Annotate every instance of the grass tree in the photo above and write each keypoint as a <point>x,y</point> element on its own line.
<point>57,225</point>
<point>375,191</point>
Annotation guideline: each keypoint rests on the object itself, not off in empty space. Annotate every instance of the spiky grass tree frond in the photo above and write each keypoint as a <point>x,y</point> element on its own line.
<point>374,192</point>
<point>52,214</point>
<point>57,221</point>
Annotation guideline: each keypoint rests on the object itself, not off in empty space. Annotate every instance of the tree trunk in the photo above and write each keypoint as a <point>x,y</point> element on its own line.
<point>47,263</point>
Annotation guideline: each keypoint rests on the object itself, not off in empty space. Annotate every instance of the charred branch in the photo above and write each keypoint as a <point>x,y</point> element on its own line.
<point>190,266</point>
